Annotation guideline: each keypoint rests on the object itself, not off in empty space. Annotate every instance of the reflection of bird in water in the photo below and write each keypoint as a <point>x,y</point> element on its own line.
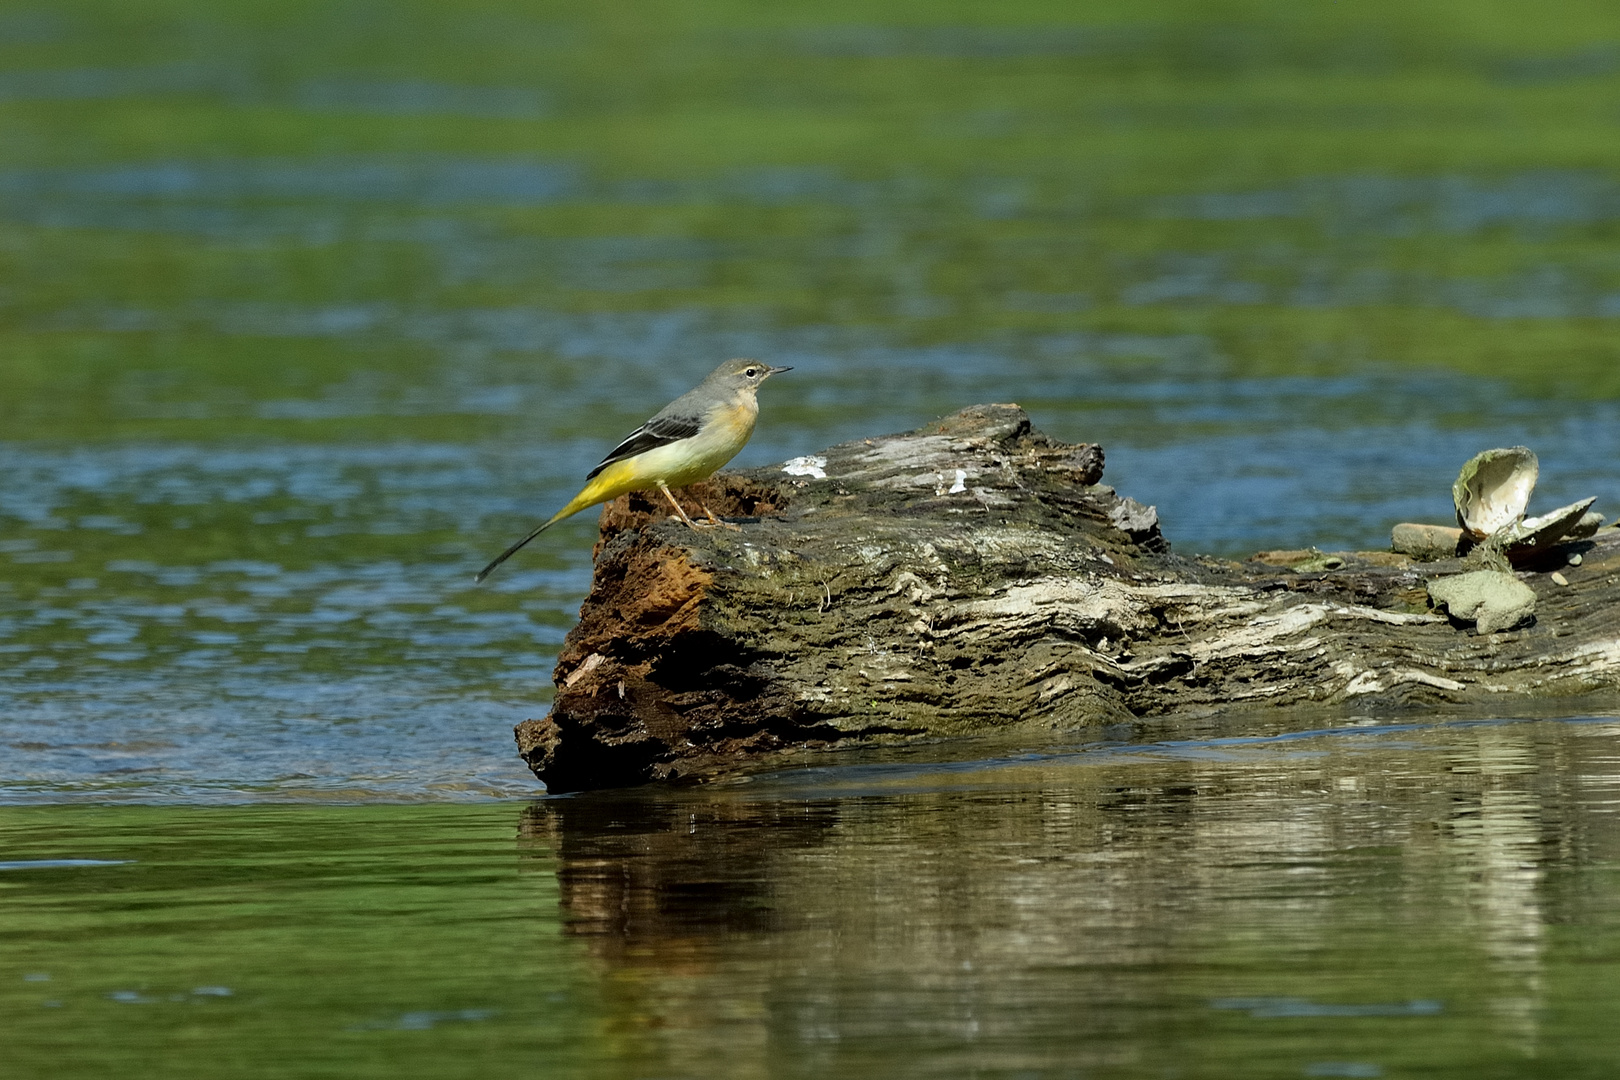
<point>685,442</point>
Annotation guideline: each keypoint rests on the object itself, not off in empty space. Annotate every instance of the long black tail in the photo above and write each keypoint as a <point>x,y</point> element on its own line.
<point>508,553</point>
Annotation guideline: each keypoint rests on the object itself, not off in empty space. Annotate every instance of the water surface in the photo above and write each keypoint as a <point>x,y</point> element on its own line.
<point>1365,900</point>
<point>306,310</point>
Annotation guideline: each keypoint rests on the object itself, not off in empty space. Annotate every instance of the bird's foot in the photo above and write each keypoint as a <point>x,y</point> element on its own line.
<point>712,523</point>
<point>718,523</point>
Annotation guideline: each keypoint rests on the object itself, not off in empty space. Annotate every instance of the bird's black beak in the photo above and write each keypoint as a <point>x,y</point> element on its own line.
<point>778,370</point>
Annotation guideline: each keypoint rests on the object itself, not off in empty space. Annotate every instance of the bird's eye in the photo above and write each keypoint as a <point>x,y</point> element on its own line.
<point>752,373</point>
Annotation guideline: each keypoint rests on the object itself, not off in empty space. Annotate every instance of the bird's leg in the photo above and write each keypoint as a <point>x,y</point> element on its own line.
<point>665,489</point>
<point>719,522</point>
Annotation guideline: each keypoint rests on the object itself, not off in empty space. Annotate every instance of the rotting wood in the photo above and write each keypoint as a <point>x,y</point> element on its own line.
<point>974,576</point>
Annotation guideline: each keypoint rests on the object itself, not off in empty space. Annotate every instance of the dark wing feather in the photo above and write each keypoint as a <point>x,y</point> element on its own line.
<point>659,431</point>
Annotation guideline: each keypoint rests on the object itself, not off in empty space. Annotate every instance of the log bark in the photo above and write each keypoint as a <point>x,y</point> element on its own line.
<point>974,576</point>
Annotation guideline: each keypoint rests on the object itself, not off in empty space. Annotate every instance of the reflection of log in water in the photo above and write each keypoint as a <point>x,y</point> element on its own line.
<point>1055,911</point>
<point>638,870</point>
<point>973,576</point>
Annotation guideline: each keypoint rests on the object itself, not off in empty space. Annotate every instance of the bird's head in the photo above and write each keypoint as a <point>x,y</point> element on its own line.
<point>742,375</point>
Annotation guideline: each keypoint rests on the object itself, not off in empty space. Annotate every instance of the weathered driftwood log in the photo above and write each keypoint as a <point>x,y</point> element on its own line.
<point>974,576</point>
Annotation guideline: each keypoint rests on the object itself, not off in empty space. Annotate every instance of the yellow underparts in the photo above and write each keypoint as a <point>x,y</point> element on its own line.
<point>724,432</point>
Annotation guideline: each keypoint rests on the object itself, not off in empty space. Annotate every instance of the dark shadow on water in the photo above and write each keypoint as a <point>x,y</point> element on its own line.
<point>635,870</point>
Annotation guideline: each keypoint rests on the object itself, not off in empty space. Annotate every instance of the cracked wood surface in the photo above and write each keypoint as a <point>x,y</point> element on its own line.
<point>974,576</point>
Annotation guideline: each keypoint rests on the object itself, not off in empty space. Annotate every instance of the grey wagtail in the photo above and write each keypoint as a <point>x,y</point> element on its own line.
<point>685,442</point>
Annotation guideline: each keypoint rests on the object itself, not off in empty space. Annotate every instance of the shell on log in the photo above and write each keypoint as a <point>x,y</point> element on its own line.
<point>1493,489</point>
<point>1544,530</point>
